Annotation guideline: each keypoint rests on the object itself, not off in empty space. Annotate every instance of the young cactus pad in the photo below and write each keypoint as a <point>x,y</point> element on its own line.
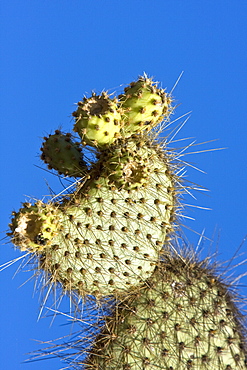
<point>144,105</point>
<point>97,120</point>
<point>108,237</point>
<point>182,318</point>
<point>63,155</point>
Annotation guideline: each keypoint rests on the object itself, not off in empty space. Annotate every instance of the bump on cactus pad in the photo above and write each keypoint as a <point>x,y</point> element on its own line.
<point>133,163</point>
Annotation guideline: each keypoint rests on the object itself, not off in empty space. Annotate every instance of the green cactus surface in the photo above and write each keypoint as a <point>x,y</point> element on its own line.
<point>98,120</point>
<point>144,105</point>
<point>109,234</point>
<point>63,155</point>
<point>183,317</point>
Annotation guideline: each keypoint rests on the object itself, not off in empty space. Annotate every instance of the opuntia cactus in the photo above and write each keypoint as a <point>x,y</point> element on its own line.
<point>108,235</point>
<point>110,238</point>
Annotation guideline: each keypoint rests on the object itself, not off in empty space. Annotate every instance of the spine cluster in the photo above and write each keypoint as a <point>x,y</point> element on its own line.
<point>110,237</point>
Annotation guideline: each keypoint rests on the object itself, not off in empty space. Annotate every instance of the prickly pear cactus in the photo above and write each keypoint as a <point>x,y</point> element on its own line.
<point>110,237</point>
<point>183,317</point>
<point>107,235</point>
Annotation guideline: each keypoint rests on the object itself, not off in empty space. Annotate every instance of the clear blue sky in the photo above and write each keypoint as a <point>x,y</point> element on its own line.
<point>52,52</point>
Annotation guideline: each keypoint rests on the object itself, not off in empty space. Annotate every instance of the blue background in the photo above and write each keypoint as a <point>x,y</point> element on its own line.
<point>52,52</point>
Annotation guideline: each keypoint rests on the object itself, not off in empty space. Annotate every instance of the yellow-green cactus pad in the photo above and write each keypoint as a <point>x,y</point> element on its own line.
<point>182,318</point>
<point>111,238</point>
<point>97,120</point>
<point>144,106</point>
<point>63,155</point>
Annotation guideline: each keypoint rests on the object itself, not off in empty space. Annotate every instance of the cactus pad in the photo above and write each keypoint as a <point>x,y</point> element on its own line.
<point>63,155</point>
<point>109,238</point>
<point>181,318</point>
<point>97,120</point>
<point>144,106</point>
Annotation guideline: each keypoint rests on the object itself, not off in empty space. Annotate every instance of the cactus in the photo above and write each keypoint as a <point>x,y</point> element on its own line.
<point>63,155</point>
<point>110,238</point>
<point>183,317</point>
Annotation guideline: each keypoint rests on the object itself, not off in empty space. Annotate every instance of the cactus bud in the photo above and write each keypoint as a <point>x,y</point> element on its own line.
<point>34,226</point>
